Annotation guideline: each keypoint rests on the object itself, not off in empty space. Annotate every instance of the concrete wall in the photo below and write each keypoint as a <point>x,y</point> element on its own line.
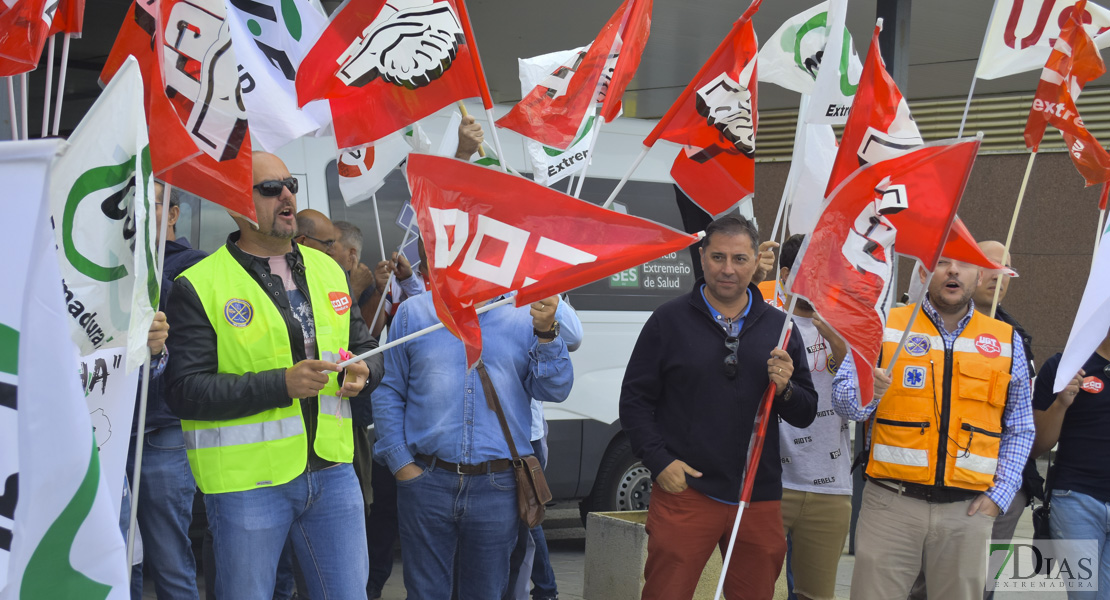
<point>1052,246</point>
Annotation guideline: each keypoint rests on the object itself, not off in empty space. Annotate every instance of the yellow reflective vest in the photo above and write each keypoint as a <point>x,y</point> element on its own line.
<point>269,448</point>
<point>940,422</point>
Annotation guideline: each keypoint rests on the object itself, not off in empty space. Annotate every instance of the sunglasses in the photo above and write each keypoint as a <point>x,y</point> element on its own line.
<point>273,187</point>
<point>732,343</point>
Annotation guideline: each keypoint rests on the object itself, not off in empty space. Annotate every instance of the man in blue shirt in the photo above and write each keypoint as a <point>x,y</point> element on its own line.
<point>456,491</point>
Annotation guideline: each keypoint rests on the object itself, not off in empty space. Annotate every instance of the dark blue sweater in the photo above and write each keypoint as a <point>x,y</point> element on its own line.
<point>676,402</point>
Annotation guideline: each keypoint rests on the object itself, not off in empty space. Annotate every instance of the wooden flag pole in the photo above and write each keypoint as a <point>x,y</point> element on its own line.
<point>598,122</point>
<point>1013,224</point>
<point>755,450</point>
<point>624,180</point>
<point>11,107</point>
<point>61,84</point>
<point>416,334</point>
<point>49,86</point>
<point>23,105</point>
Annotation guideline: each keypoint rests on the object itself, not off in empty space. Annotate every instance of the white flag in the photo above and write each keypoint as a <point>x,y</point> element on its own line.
<point>101,192</point>
<point>67,541</point>
<point>270,38</point>
<point>793,54</point>
<point>362,172</point>
<point>835,87</point>
<point>1091,322</point>
<point>551,165</point>
<point>1021,34</point>
<point>813,159</point>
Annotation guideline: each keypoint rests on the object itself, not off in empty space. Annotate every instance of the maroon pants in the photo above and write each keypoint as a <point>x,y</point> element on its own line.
<point>684,528</point>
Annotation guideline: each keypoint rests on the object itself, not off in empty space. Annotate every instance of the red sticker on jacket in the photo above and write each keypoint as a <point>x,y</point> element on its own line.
<point>1092,385</point>
<point>988,345</point>
<point>340,301</point>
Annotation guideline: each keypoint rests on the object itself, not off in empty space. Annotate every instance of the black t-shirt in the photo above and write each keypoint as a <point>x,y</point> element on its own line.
<point>1081,464</point>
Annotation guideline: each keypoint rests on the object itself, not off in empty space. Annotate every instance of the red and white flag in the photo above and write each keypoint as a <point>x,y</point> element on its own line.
<point>24,25</point>
<point>632,39</point>
<point>847,263</point>
<point>193,99</point>
<point>70,18</point>
<point>715,119</point>
<point>1074,62</point>
<point>384,65</point>
<point>1021,34</point>
<point>553,111</point>
<point>482,241</point>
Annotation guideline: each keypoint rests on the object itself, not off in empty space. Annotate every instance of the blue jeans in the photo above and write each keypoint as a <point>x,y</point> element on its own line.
<point>445,517</point>
<point>165,512</point>
<point>321,511</point>
<point>1079,516</point>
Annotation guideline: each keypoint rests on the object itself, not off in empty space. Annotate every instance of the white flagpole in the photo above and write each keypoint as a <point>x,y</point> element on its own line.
<point>598,121</point>
<point>61,84</point>
<point>388,284</point>
<point>971,92</point>
<point>11,107</point>
<point>144,389</point>
<point>1013,224</point>
<point>792,175</point>
<point>920,300</point>
<point>416,334</point>
<point>624,180</point>
<point>570,183</point>
<point>49,86</point>
<point>1098,235</point>
<point>23,105</point>
<point>501,158</point>
<point>378,219</point>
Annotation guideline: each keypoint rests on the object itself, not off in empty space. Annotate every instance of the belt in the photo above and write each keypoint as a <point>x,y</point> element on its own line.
<point>490,466</point>
<point>929,493</point>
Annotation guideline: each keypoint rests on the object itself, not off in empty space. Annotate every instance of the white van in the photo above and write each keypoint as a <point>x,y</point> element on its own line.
<point>590,457</point>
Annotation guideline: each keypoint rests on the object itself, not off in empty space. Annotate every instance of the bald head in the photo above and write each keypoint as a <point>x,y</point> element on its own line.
<point>984,294</point>
<point>315,230</point>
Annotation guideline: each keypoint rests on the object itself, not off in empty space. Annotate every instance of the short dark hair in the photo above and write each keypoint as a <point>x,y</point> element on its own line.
<point>732,225</point>
<point>789,251</point>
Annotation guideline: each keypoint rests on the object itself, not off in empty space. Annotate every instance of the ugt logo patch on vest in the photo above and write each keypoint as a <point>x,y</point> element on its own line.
<point>238,313</point>
<point>340,301</point>
<point>988,345</point>
<point>1091,385</point>
<point>918,345</point>
<point>914,378</point>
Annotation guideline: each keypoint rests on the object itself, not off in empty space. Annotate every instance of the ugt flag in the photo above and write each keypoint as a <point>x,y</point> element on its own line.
<point>846,265</point>
<point>793,55</point>
<point>482,241</point>
<point>385,65</point>
<point>67,542</point>
<point>715,118</point>
<point>1021,34</point>
<point>1074,62</point>
<point>24,25</point>
<point>101,195</point>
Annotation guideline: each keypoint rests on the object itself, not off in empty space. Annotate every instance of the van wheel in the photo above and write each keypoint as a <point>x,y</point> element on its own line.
<point>623,483</point>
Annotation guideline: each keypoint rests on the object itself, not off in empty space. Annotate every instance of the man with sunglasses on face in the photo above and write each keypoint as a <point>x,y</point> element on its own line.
<point>264,408</point>
<point>688,404</point>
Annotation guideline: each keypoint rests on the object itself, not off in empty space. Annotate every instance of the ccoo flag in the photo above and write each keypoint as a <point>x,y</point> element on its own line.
<point>793,55</point>
<point>482,241</point>
<point>101,195</point>
<point>67,542</point>
<point>833,88</point>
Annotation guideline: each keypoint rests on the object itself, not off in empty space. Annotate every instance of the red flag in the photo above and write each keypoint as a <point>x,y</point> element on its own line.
<point>961,246</point>
<point>1074,62</point>
<point>386,65</point>
<point>847,262</point>
<point>633,37</point>
<point>23,31</point>
<point>482,241</point>
<point>553,111</point>
<point>70,18</point>
<point>715,117</point>
<point>203,145</point>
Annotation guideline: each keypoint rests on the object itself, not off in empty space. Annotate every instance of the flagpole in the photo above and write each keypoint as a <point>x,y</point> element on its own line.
<point>483,87</point>
<point>378,219</point>
<point>570,183</point>
<point>144,388</point>
<point>49,86</point>
<point>755,450</point>
<point>416,334</point>
<point>388,284</point>
<point>624,180</point>
<point>1098,235</point>
<point>971,92</point>
<point>11,107</point>
<point>61,84</point>
<point>916,311</point>
<point>598,122</point>
<point>23,105</point>
<point>1013,225</point>
<point>792,175</point>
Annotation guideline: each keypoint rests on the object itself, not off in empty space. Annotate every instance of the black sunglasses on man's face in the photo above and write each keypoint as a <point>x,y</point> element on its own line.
<point>273,187</point>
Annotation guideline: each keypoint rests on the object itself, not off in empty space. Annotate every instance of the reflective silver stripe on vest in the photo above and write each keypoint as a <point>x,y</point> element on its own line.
<point>895,335</point>
<point>894,455</point>
<point>249,433</point>
<point>979,464</point>
<point>962,344</point>
<point>339,407</point>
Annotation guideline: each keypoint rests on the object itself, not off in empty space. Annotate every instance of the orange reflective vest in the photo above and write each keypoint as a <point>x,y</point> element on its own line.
<point>940,422</point>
